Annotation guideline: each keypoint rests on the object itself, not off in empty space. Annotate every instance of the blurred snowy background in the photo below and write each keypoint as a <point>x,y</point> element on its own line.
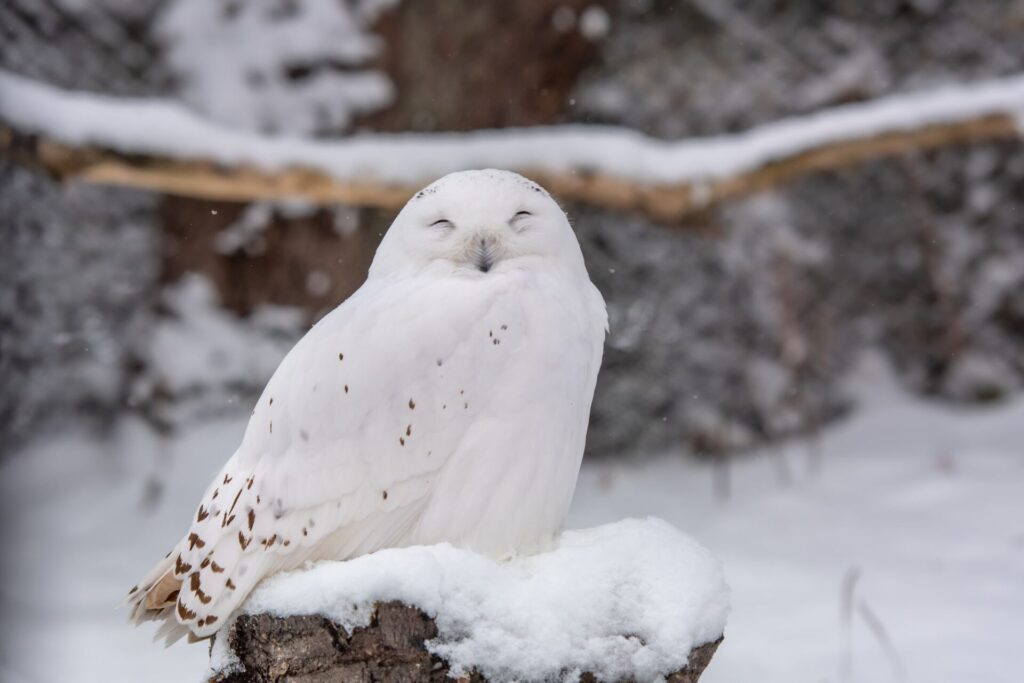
<point>823,382</point>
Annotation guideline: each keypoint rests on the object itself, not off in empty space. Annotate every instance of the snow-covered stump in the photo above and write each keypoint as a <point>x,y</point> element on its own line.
<point>631,601</point>
<point>308,648</point>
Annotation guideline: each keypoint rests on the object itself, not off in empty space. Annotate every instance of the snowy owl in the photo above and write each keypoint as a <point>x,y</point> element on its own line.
<point>446,400</point>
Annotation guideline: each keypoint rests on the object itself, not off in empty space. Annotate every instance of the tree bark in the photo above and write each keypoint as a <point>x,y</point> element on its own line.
<point>313,649</point>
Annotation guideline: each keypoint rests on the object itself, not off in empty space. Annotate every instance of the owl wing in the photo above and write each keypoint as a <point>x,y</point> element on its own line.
<point>339,453</point>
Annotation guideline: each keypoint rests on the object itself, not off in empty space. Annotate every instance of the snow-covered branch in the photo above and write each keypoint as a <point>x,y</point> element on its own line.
<point>161,146</point>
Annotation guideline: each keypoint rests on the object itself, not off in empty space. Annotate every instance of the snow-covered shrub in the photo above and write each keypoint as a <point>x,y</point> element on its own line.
<point>203,360</point>
<point>78,271</point>
<point>282,66</point>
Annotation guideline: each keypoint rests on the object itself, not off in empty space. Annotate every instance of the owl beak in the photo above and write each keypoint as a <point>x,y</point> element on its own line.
<point>484,251</point>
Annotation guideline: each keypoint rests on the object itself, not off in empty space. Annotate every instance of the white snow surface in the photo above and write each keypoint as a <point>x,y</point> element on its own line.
<point>627,599</point>
<point>164,128</point>
<point>900,557</point>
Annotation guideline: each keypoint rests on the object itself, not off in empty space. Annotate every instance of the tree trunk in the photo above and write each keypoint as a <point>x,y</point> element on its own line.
<point>313,649</point>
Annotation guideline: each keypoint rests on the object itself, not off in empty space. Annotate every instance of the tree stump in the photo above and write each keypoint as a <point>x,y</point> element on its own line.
<point>313,649</point>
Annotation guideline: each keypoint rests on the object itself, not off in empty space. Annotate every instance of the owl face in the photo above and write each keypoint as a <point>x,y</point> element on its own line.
<point>477,224</point>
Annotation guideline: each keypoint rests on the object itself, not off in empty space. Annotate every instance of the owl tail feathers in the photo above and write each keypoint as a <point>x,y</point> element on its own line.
<point>154,598</point>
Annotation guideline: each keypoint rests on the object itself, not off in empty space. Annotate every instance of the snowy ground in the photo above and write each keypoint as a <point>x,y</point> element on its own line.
<point>919,507</point>
<point>901,559</point>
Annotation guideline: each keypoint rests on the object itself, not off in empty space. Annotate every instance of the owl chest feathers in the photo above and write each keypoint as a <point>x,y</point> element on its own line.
<point>475,395</point>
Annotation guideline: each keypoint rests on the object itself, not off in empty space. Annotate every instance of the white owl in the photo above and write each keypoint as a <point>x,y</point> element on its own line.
<point>446,400</point>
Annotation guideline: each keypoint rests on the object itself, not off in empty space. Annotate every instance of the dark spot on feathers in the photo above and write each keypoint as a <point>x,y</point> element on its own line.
<point>230,584</point>
<point>227,479</point>
<point>384,495</point>
<point>444,406</point>
<point>271,400</point>
<point>201,623</point>
<point>252,518</point>
<point>249,482</point>
<point>203,597</point>
<point>194,541</point>
<point>267,542</point>
<point>271,426</point>
<point>242,541</point>
<point>346,388</point>
<point>504,327</point>
<point>211,619</point>
<point>305,532</point>
<point>408,430</point>
<point>205,563</point>
<point>233,503</point>
<point>216,568</point>
<point>215,492</point>
<point>227,520</point>
<point>303,435</point>
<point>180,567</point>
<point>286,543</point>
<point>134,589</point>
<point>465,405</point>
<point>490,333</point>
<point>461,392</point>
<point>401,440</point>
<point>257,499</point>
<point>439,362</point>
<point>496,342</point>
<point>412,404</point>
<point>202,514</point>
<point>185,614</point>
<point>193,581</point>
<point>341,356</point>
<point>173,595</point>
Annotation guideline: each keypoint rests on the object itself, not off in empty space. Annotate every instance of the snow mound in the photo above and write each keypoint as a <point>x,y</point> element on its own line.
<point>624,600</point>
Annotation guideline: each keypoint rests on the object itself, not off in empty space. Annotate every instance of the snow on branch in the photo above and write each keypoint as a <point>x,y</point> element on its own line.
<point>161,146</point>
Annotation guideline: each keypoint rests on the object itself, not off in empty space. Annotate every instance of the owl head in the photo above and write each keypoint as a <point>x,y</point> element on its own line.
<point>478,224</point>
